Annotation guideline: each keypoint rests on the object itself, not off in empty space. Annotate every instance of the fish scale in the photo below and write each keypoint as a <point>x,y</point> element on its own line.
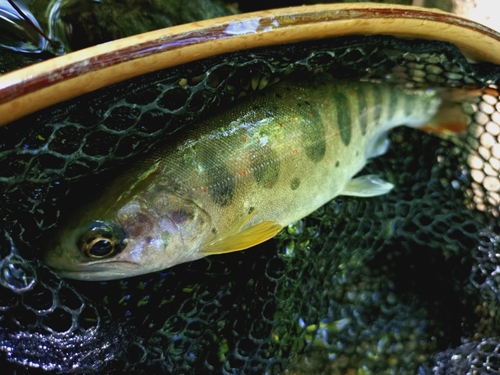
<point>238,177</point>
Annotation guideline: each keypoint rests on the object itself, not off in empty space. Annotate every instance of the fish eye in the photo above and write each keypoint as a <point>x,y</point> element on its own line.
<point>99,248</point>
<point>102,240</point>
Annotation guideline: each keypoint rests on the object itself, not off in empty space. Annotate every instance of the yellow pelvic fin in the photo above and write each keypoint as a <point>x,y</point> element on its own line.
<point>237,240</point>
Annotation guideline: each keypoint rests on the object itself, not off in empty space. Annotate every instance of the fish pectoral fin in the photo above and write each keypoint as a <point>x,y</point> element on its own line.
<point>366,186</point>
<point>242,240</point>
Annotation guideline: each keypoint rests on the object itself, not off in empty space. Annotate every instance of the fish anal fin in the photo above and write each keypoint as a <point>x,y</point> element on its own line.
<point>245,239</point>
<point>366,186</point>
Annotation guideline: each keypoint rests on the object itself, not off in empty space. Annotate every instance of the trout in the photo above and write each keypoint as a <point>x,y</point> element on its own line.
<point>238,177</point>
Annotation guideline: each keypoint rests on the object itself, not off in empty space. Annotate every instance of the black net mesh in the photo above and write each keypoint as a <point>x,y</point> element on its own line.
<point>404,283</point>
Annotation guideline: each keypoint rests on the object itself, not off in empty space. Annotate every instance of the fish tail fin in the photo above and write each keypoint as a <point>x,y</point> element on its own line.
<point>450,119</point>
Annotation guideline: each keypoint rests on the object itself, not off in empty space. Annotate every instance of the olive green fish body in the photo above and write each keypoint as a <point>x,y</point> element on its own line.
<point>238,177</point>
<point>293,149</point>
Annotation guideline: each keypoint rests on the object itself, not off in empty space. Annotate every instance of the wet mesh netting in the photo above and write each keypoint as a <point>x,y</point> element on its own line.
<point>403,283</point>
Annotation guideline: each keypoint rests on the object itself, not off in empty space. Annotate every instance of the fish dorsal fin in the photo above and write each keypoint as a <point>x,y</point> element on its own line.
<point>366,186</point>
<point>236,239</point>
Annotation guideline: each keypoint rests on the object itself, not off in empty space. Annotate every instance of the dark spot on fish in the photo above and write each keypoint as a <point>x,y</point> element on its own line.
<point>362,108</point>
<point>179,217</point>
<point>142,218</point>
<point>377,113</point>
<point>337,163</point>
<point>138,224</point>
<point>220,181</point>
<point>357,153</point>
<point>407,106</point>
<point>343,116</point>
<point>221,184</point>
<point>377,109</point>
<point>278,95</point>
<point>393,104</point>
<point>265,166</point>
<point>295,183</point>
<point>214,230</point>
<point>313,133</point>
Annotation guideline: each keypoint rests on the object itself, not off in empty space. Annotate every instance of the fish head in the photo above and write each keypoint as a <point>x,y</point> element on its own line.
<point>142,236</point>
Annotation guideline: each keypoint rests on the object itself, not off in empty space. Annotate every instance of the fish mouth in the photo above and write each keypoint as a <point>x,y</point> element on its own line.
<point>101,272</point>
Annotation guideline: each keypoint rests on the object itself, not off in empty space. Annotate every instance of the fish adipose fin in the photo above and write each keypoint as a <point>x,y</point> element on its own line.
<point>237,240</point>
<point>366,186</point>
<point>450,118</point>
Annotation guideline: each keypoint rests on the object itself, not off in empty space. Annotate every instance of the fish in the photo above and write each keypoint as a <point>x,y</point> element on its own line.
<point>236,178</point>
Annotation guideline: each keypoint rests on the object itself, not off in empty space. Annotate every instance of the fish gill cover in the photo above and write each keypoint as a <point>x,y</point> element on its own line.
<point>394,284</point>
